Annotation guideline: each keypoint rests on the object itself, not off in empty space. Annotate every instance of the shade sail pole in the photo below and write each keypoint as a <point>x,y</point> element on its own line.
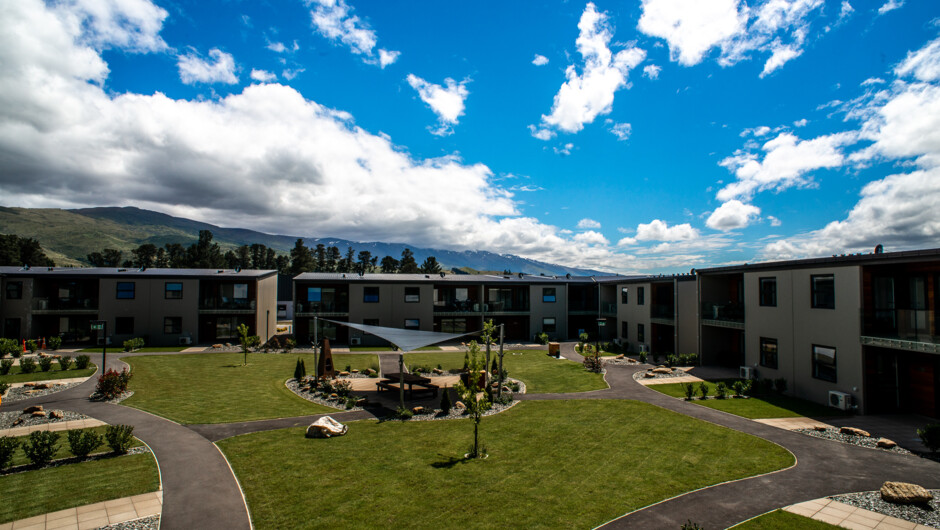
<point>316,364</point>
<point>401,377</point>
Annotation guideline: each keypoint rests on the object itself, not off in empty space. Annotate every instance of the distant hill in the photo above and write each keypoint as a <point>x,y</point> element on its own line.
<point>70,235</point>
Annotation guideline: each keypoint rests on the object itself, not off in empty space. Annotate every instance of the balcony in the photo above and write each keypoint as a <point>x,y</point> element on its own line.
<point>457,307</point>
<point>663,311</point>
<point>723,314</point>
<point>609,309</point>
<point>905,329</point>
<point>227,305</point>
<point>64,305</point>
<point>322,309</point>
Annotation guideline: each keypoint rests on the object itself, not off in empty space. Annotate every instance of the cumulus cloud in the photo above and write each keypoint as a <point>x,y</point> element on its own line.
<point>800,123</point>
<point>334,19</point>
<point>923,65</point>
<point>588,223</point>
<point>220,68</point>
<point>387,57</point>
<point>890,5</point>
<point>652,71</point>
<point>658,230</point>
<point>621,131</point>
<point>591,238</point>
<point>446,101</point>
<point>263,76</point>
<point>134,25</point>
<point>564,150</point>
<point>540,60</point>
<point>582,97</point>
<point>277,47</point>
<point>732,215</point>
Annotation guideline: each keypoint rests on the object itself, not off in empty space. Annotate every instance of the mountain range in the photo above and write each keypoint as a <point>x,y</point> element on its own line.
<point>68,236</point>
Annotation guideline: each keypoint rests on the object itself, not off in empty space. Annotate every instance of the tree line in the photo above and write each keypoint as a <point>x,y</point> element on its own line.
<point>18,251</point>
<point>328,259</point>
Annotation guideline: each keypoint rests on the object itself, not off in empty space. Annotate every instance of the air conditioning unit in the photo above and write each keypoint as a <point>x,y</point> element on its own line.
<point>840,400</point>
<point>186,341</point>
<point>746,372</point>
<point>618,342</point>
<point>355,341</point>
<point>644,348</point>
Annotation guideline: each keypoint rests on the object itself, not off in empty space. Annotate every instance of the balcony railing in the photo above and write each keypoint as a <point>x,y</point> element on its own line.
<point>227,304</point>
<point>726,311</point>
<point>667,311</point>
<point>609,309</point>
<point>65,304</point>
<point>501,306</point>
<point>321,307</point>
<point>911,325</point>
<point>458,306</point>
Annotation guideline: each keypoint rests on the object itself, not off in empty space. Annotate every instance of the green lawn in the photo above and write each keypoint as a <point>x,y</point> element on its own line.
<point>764,406</point>
<point>541,373</point>
<point>551,465</point>
<point>781,520</point>
<point>217,388</point>
<point>16,377</point>
<point>19,457</point>
<point>389,348</point>
<point>146,349</point>
<point>53,489</point>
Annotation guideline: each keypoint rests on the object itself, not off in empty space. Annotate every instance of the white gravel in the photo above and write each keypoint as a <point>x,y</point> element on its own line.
<point>927,515</point>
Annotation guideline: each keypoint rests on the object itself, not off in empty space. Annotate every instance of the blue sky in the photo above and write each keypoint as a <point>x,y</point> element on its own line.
<point>641,136</point>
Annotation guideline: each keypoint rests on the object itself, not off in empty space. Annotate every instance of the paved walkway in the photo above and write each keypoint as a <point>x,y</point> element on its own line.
<point>94,515</point>
<point>847,516</point>
<point>55,426</point>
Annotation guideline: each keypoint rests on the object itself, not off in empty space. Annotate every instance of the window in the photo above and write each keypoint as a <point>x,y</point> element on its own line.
<point>412,323</point>
<point>453,325</point>
<point>548,294</point>
<point>370,322</point>
<point>125,291</point>
<point>824,291</point>
<point>640,295</point>
<point>173,325</point>
<point>640,333</point>
<point>624,330</point>
<point>824,363</point>
<point>548,325</point>
<point>370,295</point>
<point>412,294</point>
<point>768,353</point>
<point>314,294</point>
<point>124,325</point>
<point>625,295</point>
<point>768,292</point>
<point>14,290</point>
<point>173,291</point>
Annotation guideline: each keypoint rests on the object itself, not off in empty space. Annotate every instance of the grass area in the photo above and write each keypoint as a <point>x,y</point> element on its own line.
<point>217,388</point>
<point>146,349</point>
<point>57,488</point>
<point>389,348</point>
<point>16,377</point>
<point>541,373</point>
<point>781,520</point>
<point>558,464</point>
<point>19,457</point>
<point>763,406</point>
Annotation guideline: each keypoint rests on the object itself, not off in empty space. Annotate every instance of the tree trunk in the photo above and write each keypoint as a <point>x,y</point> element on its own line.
<point>476,440</point>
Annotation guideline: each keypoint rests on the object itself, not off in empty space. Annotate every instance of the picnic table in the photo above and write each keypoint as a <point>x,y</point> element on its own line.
<point>412,380</point>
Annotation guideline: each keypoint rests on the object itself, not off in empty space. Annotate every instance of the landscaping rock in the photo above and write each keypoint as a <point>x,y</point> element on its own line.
<point>343,374</point>
<point>44,386</point>
<point>417,410</point>
<point>662,370</point>
<point>17,422</point>
<point>854,431</point>
<point>325,427</point>
<point>885,443</point>
<point>57,414</point>
<point>29,385</point>
<point>437,371</point>
<point>369,371</point>
<point>820,428</point>
<point>361,401</point>
<point>904,493</point>
<point>460,407</point>
<point>217,346</point>
<point>354,371</point>
<point>334,395</point>
<point>228,344</point>
<point>34,408</point>
<point>39,414</point>
<point>649,375</point>
<point>621,356</point>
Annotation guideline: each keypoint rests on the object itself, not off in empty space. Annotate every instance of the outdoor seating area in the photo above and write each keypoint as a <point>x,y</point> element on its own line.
<point>394,381</point>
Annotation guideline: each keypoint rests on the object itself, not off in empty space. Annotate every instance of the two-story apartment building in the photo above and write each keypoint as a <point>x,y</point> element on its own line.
<point>657,314</point>
<point>164,306</point>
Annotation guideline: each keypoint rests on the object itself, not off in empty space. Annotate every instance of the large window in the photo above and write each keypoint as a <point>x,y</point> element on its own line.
<point>768,292</point>
<point>14,290</point>
<point>624,330</point>
<point>548,325</point>
<point>640,295</point>
<point>412,294</point>
<point>412,323</point>
<point>370,295</point>
<point>453,325</point>
<point>768,352</point>
<point>548,294</point>
<point>173,325</point>
<point>173,291</point>
<point>124,325</point>
<point>823,291</point>
<point>625,295</point>
<point>125,291</point>
<point>641,333</point>
<point>824,363</point>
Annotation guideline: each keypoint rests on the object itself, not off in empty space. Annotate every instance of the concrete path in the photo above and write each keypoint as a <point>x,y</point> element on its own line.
<point>847,516</point>
<point>94,515</point>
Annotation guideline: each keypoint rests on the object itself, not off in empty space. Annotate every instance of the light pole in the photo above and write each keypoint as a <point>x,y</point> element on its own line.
<point>499,391</point>
<point>102,326</point>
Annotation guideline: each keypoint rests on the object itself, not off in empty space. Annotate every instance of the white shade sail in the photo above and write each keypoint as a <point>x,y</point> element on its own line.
<point>406,339</point>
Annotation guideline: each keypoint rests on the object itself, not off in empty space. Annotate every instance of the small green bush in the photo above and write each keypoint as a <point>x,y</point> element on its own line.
<point>55,343</point>
<point>643,357</point>
<point>703,389</point>
<point>404,413</point>
<point>9,347</point>
<point>65,362</point>
<point>342,388</point>
<point>741,387</point>
<point>542,338</point>
<point>780,385</point>
<point>299,371</point>
<point>83,441</point>
<point>930,436</point>
<point>289,345</point>
<point>670,360</point>
<point>766,385</point>
<point>4,387</point>
<point>721,390</point>
<point>8,445</point>
<point>27,365</point>
<point>689,389</point>
<point>351,402</point>
<point>45,364</point>
<point>41,447</point>
<point>82,362</point>
<point>119,437</point>
<point>133,344</point>
<point>5,366</point>
<point>689,525</point>
<point>32,346</point>
<point>112,384</point>
<point>445,401</point>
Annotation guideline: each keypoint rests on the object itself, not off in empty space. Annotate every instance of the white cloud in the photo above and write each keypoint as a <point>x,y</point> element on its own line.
<point>890,5</point>
<point>591,238</point>
<point>621,131</point>
<point>277,47</point>
<point>220,69</point>
<point>132,25</point>
<point>291,73</point>
<point>780,55</point>
<point>334,19</point>
<point>923,65</point>
<point>652,71</point>
<point>846,10</point>
<point>657,230</point>
<point>263,76</point>
<point>905,125</point>
<point>588,223</point>
<point>541,134</point>
<point>873,81</point>
<point>583,97</point>
<point>447,102</point>
<point>564,150</point>
<point>732,215</point>
<point>540,60</point>
<point>774,221</point>
<point>800,123</point>
<point>762,130</point>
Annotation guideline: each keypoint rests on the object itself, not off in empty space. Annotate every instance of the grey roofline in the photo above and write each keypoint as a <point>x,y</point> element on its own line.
<point>845,260</point>
<point>133,272</point>
<point>350,277</point>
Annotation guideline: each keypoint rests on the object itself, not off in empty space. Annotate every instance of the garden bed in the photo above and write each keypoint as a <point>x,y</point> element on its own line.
<point>22,393</point>
<point>676,372</point>
<point>927,515</point>
<point>144,523</point>
<point>8,418</point>
<point>869,442</point>
<point>318,397</point>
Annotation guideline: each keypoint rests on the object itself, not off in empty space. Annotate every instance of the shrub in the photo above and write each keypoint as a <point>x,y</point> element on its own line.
<point>404,413</point>
<point>643,357</point>
<point>299,371</point>
<point>83,441</point>
<point>466,362</point>
<point>112,384</point>
<point>45,364</point>
<point>703,389</point>
<point>65,362</point>
<point>27,365</point>
<point>5,366</point>
<point>692,359</point>
<point>765,385</point>
<point>930,436</point>
<point>445,401</point>
<point>780,385</point>
<point>55,343</point>
<point>119,437</point>
<point>41,447</point>
<point>32,346</point>
<point>670,360</point>
<point>542,338</point>
<point>593,363</point>
<point>289,345</point>
<point>689,525</point>
<point>8,445</point>
<point>82,362</point>
<point>741,387</point>
<point>4,387</point>
<point>351,402</point>
<point>133,344</point>
<point>689,389</point>
<point>721,390</point>
<point>9,347</point>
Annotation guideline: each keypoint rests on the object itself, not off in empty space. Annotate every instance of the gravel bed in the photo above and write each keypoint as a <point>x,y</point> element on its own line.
<point>927,515</point>
<point>113,401</point>
<point>626,361</point>
<point>7,418</point>
<point>315,398</point>
<point>639,376</point>
<point>437,414</point>
<point>862,441</point>
<point>144,523</point>
<point>19,393</point>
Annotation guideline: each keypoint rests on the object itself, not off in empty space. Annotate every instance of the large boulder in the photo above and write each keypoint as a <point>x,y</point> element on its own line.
<point>662,370</point>
<point>904,493</point>
<point>885,443</point>
<point>326,427</point>
<point>34,408</point>
<point>56,414</point>
<point>460,407</point>
<point>854,432</point>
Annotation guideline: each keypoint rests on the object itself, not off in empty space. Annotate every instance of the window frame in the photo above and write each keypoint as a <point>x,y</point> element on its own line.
<point>549,328</point>
<point>640,296</point>
<point>764,355</point>
<point>624,295</point>
<point>366,297</point>
<point>19,289</point>
<point>549,298</point>
<point>119,290</point>
<point>416,323</point>
<point>178,293</point>
<point>761,293</point>
<point>172,323</point>
<point>415,295</point>
<point>815,293</point>
<point>824,375</point>
<point>641,333</point>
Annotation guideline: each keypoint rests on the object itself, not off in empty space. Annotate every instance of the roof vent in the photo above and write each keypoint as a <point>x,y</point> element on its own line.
<point>142,269</point>
<point>26,266</point>
<point>442,274</point>
<point>426,276</point>
<point>568,276</point>
<point>50,269</point>
<point>238,269</point>
<point>520,275</point>
<point>125,270</point>
<point>220,271</point>
<point>879,249</point>
<point>344,275</point>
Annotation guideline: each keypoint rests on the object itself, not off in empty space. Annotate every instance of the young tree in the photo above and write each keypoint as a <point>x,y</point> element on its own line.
<point>472,396</point>
<point>160,260</point>
<point>175,256</point>
<point>408,265</point>
<point>430,266</point>
<point>349,262</point>
<point>389,265</point>
<point>300,258</point>
<point>247,341</point>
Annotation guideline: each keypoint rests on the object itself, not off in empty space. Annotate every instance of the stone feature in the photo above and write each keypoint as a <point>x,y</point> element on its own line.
<point>885,443</point>
<point>854,431</point>
<point>459,406</point>
<point>649,374</point>
<point>662,370</point>
<point>217,346</point>
<point>437,371</point>
<point>369,371</point>
<point>417,410</point>
<point>34,408</point>
<point>39,414</point>
<point>326,427</point>
<point>621,356</point>
<point>820,428</point>
<point>904,493</point>
<point>344,374</point>
<point>57,414</point>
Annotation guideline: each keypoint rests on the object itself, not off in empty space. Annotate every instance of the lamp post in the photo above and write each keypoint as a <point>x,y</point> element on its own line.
<point>499,391</point>
<point>316,364</point>
<point>102,326</point>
